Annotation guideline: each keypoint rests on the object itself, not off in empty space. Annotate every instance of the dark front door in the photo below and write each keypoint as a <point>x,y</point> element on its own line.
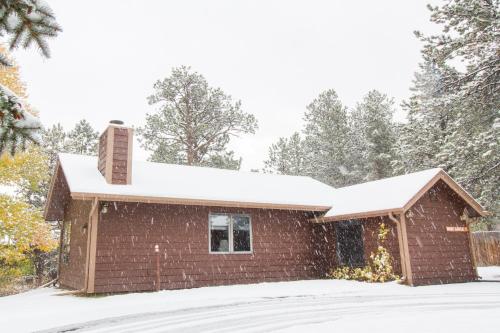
<point>350,249</point>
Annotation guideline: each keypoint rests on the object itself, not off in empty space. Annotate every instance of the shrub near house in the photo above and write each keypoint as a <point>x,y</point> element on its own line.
<point>379,268</point>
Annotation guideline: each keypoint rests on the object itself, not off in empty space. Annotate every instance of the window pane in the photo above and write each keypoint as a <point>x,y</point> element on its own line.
<point>241,233</point>
<point>219,233</point>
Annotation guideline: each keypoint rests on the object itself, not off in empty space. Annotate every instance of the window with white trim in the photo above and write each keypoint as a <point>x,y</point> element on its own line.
<point>230,233</point>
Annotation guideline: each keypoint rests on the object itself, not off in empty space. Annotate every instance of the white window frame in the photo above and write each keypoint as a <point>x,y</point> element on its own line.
<point>230,235</point>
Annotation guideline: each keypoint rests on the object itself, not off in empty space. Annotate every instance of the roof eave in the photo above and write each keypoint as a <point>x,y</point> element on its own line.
<point>51,189</point>
<point>58,195</point>
<point>361,215</point>
<point>442,175</point>
<point>195,202</point>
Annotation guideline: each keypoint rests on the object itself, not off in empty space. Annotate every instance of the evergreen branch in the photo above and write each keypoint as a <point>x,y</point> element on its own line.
<point>28,21</point>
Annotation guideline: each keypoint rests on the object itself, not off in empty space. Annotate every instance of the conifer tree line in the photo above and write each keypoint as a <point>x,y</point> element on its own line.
<point>452,116</point>
<point>338,145</point>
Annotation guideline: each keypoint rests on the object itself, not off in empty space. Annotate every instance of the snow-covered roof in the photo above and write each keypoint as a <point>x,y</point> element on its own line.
<point>388,195</point>
<point>180,184</point>
<point>196,184</point>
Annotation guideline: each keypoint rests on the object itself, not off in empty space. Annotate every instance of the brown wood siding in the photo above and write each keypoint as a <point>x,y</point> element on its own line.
<point>371,228</point>
<point>325,250</point>
<point>59,197</point>
<point>437,255</point>
<point>103,141</point>
<point>282,248</point>
<point>72,274</point>
<point>120,156</point>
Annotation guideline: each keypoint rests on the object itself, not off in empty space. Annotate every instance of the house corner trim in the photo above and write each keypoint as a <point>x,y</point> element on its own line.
<point>404,233</point>
<point>91,247</point>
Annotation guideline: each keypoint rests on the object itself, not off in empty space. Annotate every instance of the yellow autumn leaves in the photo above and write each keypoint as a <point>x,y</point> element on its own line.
<point>23,230</point>
<point>22,227</point>
<point>9,76</point>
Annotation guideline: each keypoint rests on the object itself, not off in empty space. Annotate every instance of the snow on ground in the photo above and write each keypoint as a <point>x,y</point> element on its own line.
<point>489,273</point>
<point>300,306</point>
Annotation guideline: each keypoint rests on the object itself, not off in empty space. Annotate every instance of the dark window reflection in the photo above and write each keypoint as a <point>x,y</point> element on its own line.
<point>241,233</point>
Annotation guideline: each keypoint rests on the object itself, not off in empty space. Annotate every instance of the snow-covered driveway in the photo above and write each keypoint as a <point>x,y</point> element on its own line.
<point>302,306</point>
<point>424,313</point>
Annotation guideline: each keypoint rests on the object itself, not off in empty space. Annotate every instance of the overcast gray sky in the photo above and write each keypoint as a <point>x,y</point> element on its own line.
<point>275,56</point>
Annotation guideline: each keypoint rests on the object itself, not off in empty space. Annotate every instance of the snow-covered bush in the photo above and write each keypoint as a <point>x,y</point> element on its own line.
<point>379,268</point>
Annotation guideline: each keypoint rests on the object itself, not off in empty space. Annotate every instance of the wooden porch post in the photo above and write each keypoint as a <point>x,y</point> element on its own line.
<point>401,246</point>
<point>91,247</point>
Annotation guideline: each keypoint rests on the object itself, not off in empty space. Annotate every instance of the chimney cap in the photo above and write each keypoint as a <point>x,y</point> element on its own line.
<point>116,122</point>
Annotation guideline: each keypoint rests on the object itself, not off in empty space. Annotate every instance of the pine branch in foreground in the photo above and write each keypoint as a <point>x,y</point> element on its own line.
<point>27,22</point>
<point>17,126</point>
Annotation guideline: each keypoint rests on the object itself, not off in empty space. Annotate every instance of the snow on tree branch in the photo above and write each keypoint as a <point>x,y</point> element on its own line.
<point>17,126</point>
<point>27,22</point>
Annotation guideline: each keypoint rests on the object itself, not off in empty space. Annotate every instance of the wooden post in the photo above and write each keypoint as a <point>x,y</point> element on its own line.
<point>157,251</point>
<point>91,246</point>
<point>402,257</point>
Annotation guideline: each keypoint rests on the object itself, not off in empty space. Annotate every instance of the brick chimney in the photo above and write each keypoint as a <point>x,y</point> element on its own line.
<point>115,153</point>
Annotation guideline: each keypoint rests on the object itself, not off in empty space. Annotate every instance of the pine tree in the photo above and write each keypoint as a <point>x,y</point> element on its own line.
<point>328,140</point>
<point>469,35</point>
<point>194,123</point>
<point>453,114</point>
<point>287,157</point>
<point>82,139</point>
<point>448,132</point>
<point>223,160</point>
<point>54,142</point>
<point>373,126</point>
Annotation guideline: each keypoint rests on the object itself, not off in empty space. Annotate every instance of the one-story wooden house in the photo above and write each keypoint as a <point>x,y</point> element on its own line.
<point>137,226</point>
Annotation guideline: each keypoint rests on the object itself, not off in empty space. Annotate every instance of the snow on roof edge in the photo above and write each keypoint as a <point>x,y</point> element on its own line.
<point>429,176</point>
<point>274,190</point>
